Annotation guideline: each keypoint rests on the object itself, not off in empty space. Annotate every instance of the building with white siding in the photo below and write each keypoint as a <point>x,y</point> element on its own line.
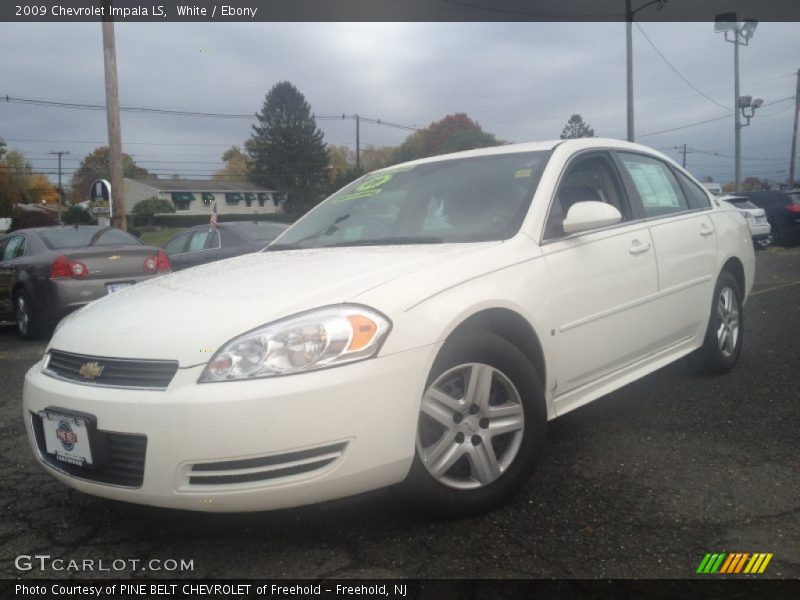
<point>196,197</point>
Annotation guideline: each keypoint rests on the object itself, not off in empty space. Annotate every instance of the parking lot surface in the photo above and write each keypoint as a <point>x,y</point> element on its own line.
<point>641,483</point>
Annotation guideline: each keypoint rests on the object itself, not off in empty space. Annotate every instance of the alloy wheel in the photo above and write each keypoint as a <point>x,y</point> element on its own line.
<point>23,318</point>
<point>728,330</point>
<point>471,426</point>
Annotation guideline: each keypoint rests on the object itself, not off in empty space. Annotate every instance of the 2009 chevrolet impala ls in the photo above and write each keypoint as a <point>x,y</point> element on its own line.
<point>420,326</point>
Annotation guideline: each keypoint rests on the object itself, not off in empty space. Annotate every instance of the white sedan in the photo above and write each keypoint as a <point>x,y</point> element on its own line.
<point>420,326</point>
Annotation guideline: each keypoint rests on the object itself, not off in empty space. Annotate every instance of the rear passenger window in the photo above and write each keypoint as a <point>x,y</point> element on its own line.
<point>15,248</point>
<point>658,188</point>
<point>697,196</point>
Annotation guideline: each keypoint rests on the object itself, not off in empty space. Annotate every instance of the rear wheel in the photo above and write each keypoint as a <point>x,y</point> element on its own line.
<point>723,342</point>
<point>481,427</point>
<point>25,316</point>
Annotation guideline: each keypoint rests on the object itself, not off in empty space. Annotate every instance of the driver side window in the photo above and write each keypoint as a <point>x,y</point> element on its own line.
<point>590,177</point>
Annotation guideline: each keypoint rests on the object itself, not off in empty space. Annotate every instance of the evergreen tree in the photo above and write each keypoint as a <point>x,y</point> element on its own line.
<point>287,149</point>
<point>576,127</point>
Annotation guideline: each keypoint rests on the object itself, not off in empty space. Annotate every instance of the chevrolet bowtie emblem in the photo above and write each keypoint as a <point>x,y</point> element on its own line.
<point>90,370</point>
<point>115,257</point>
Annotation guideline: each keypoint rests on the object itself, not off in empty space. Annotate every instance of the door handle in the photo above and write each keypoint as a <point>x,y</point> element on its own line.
<point>705,230</point>
<point>637,247</point>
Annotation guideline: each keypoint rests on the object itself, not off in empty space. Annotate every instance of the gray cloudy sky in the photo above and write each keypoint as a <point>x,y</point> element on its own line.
<point>520,81</point>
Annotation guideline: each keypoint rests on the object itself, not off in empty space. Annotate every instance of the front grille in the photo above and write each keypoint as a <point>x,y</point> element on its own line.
<point>122,457</point>
<point>116,372</point>
<point>265,467</point>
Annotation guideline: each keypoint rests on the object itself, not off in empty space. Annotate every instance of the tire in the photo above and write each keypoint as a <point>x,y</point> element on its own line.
<point>472,457</point>
<point>778,239</point>
<point>25,316</point>
<point>725,332</point>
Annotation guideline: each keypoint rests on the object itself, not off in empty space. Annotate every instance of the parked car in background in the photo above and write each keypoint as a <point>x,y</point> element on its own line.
<point>783,213</point>
<point>756,219</point>
<point>714,188</point>
<point>48,272</point>
<point>202,244</point>
<point>419,327</point>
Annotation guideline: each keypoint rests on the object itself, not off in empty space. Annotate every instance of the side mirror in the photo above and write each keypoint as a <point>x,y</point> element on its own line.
<point>590,214</point>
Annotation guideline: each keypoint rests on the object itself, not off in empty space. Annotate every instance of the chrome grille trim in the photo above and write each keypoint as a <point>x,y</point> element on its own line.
<point>130,373</point>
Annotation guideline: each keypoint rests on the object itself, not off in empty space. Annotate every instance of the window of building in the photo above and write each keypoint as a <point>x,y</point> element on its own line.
<point>182,200</point>
<point>262,198</point>
<point>249,198</point>
<point>233,198</point>
<point>208,199</point>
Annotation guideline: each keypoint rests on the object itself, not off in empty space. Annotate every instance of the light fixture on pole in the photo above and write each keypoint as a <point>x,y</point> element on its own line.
<point>739,34</point>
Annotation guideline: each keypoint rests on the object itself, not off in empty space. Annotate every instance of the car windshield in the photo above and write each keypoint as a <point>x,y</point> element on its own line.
<point>260,232</point>
<point>57,238</point>
<point>458,200</point>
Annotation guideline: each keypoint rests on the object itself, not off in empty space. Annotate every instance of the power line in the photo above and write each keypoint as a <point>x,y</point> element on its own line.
<point>675,70</point>
<point>186,113</point>
<point>707,120</point>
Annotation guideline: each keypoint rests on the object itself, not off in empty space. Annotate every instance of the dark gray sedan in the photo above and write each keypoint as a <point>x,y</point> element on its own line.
<point>48,272</point>
<point>202,244</point>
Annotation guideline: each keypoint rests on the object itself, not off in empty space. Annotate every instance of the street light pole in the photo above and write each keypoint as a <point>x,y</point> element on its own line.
<point>738,121</point>
<point>629,54</point>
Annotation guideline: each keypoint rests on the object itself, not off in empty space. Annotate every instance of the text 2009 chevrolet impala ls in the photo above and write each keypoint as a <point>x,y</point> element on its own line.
<point>420,326</point>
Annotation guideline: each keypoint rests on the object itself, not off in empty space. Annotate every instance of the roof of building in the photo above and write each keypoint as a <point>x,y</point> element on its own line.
<point>200,185</point>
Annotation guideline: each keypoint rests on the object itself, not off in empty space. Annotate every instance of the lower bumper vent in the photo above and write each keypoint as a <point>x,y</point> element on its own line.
<point>265,468</point>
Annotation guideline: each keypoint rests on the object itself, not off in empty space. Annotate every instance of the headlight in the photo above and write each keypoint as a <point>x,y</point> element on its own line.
<point>308,341</point>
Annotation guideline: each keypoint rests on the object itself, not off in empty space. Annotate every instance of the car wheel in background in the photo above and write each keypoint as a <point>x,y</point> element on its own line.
<point>25,316</point>
<point>481,427</point>
<point>723,342</point>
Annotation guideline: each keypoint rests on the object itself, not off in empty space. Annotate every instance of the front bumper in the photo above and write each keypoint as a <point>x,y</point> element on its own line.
<point>252,445</point>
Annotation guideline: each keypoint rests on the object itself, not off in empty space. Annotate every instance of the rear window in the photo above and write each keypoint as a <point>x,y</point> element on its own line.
<point>58,238</point>
<point>260,233</point>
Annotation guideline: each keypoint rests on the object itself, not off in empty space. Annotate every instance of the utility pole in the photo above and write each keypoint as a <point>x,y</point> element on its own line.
<point>683,151</point>
<point>358,143</point>
<point>737,119</point>
<point>112,117</point>
<point>60,189</point>
<point>794,131</point>
<point>629,54</point>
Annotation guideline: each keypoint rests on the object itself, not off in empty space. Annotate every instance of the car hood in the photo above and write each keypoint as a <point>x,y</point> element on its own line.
<point>187,316</point>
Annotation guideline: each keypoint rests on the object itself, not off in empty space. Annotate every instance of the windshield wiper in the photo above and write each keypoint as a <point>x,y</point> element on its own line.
<point>388,241</point>
<point>329,229</point>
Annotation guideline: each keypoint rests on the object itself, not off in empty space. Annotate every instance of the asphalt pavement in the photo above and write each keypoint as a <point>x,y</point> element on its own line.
<point>641,483</point>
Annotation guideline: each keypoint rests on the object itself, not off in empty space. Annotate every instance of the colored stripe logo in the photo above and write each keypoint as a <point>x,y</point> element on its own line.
<point>732,563</point>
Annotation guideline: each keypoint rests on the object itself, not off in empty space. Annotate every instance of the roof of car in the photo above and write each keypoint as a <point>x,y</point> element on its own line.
<point>224,224</point>
<point>574,144</point>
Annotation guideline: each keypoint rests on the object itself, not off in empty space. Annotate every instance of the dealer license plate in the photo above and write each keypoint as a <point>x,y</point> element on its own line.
<point>66,437</point>
<point>115,287</point>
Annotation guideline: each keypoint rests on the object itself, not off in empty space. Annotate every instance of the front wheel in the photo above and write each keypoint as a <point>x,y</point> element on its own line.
<point>723,341</point>
<point>481,427</point>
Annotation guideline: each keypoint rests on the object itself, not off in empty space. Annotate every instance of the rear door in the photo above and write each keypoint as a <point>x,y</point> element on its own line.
<point>602,280</point>
<point>193,248</point>
<point>684,239</point>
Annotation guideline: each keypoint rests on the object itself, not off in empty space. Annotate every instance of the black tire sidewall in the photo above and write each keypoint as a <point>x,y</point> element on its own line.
<point>431,496</point>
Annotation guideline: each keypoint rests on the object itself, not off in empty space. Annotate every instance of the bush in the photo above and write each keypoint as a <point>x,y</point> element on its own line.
<point>151,207</point>
<point>76,215</point>
<point>26,219</point>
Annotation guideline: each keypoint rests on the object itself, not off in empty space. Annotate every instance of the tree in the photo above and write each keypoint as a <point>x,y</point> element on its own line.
<point>287,149</point>
<point>15,179</point>
<point>151,207</point>
<point>451,134</point>
<point>76,215</point>
<point>576,127</point>
<point>40,190</point>
<point>237,165</point>
<point>97,165</point>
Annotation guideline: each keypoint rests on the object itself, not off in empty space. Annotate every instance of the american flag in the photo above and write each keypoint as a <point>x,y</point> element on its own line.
<point>213,217</point>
